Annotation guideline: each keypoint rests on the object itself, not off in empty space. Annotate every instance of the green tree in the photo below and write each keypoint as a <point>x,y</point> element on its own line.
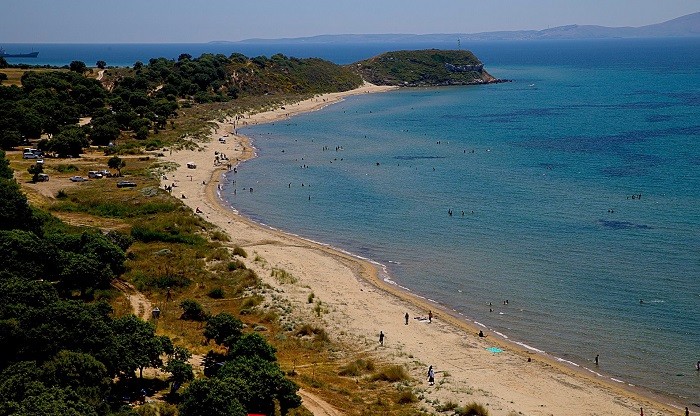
<point>3,77</point>
<point>115,162</point>
<point>192,311</point>
<point>81,372</point>
<point>224,328</point>
<point>253,345</point>
<point>137,344</point>
<point>15,212</point>
<point>78,66</point>
<point>6,171</point>
<point>265,383</point>
<point>101,64</point>
<point>35,170</point>
<point>68,142</point>
<point>210,397</point>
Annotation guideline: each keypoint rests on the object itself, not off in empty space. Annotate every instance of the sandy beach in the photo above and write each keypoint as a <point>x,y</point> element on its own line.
<point>490,370</point>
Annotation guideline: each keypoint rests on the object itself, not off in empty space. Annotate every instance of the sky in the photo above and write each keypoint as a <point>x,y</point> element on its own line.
<point>197,21</point>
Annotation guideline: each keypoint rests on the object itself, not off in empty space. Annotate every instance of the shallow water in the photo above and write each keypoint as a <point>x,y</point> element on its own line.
<point>548,171</point>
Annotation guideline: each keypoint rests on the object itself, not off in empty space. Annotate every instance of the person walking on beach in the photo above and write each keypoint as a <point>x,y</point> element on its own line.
<point>431,376</point>
<point>406,317</point>
<point>430,317</point>
<point>381,338</point>
<point>596,359</point>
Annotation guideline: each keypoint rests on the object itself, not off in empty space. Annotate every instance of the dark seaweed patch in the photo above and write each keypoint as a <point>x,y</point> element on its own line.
<point>417,157</point>
<point>623,225</point>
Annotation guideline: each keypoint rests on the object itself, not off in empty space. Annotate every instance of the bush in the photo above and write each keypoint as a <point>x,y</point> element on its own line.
<point>472,409</point>
<point>450,405</point>
<point>61,194</point>
<point>357,368</point>
<point>406,397</point>
<point>310,299</point>
<point>238,251</point>
<point>192,311</point>
<point>235,265</point>
<point>66,168</point>
<point>216,293</point>
<point>392,373</point>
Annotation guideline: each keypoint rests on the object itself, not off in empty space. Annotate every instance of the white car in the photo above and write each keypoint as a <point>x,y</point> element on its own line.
<point>77,179</point>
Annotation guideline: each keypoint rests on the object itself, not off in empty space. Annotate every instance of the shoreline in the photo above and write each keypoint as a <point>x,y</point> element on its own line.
<point>455,331</point>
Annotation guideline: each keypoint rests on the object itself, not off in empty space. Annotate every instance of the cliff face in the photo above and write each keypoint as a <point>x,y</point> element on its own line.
<point>430,67</point>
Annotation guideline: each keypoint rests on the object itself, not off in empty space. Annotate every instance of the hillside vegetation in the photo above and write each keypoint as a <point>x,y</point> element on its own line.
<point>430,67</point>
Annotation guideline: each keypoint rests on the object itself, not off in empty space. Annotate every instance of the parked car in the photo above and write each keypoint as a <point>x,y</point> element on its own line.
<point>126,184</point>
<point>42,177</point>
<point>29,155</point>
<point>77,179</point>
<point>93,174</point>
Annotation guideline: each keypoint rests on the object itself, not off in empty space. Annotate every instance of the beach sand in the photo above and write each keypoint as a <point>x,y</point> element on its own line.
<point>359,304</point>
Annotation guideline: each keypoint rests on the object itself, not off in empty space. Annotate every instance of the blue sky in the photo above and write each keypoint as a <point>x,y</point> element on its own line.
<point>114,21</point>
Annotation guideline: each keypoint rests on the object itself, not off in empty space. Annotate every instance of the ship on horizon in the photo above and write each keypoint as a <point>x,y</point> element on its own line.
<point>4,54</point>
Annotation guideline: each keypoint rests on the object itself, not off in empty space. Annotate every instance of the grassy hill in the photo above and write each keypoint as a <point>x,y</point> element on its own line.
<point>430,67</point>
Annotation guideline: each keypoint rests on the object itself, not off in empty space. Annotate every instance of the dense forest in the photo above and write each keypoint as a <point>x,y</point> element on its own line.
<point>139,101</point>
<point>430,67</point>
<point>64,351</point>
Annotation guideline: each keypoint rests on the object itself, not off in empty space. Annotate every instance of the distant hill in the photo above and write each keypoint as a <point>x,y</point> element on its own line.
<point>684,26</point>
<point>430,67</point>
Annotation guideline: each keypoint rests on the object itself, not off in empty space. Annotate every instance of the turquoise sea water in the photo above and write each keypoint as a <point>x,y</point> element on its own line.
<point>579,182</point>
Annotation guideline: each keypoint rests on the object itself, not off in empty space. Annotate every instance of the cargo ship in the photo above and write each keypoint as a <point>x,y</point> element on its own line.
<point>4,54</point>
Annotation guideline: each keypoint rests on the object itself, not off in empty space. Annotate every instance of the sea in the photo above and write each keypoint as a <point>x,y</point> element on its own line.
<point>560,210</point>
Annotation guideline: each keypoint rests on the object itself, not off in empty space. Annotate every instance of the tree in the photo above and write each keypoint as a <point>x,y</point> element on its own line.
<point>15,212</point>
<point>180,372</point>
<point>3,77</point>
<point>137,344</point>
<point>253,345</point>
<point>78,66</point>
<point>6,171</point>
<point>192,311</point>
<point>101,64</point>
<point>35,170</point>
<point>115,162</point>
<point>224,329</point>
<point>68,142</point>
<point>264,383</point>
<point>210,397</point>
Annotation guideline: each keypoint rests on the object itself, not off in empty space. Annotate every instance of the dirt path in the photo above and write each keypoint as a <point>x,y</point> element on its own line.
<point>141,306</point>
<point>316,405</point>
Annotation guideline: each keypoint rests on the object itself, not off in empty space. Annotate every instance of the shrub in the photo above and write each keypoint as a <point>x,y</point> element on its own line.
<point>216,293</point>
<point>61,194</point>
<point>319,334</point>
<point>283,276</point>
<point>235,265</point>
<point>392,373</point>
<point>450,405</point>
<point>472,409</point>
<point>192,311</point>
<point>406,397</point>
<point>310,299</point>
<point>357,368</point>
<point>238,251</point>
<point>66,168</point>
